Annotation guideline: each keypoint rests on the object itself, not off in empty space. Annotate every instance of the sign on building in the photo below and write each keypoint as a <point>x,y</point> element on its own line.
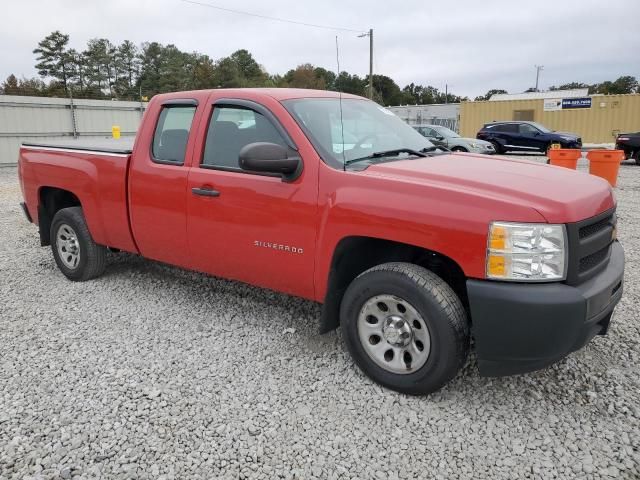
<point>584,102</point>
<point>555,104</point>
<point>552,104</point>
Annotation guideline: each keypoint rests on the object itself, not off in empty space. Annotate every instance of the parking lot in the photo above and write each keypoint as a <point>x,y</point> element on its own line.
<point>155,372</point>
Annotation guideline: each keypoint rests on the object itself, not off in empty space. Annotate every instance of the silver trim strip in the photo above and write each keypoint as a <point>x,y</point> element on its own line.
<point>71,150</point>
<point>520,146</point>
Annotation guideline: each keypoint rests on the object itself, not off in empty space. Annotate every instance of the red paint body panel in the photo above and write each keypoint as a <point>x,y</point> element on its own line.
<point>443,203</point>
<point>99,182</point>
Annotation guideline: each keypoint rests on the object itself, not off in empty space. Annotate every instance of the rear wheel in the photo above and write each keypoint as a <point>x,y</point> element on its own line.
<point>78,257</point>
<point>405,327</point>
<point>637,157</point>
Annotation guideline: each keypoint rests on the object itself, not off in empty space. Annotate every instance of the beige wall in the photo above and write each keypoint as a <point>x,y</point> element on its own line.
<point>608,116</point>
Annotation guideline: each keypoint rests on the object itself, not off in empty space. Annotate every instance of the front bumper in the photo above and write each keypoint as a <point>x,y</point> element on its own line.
<point>521,327</point>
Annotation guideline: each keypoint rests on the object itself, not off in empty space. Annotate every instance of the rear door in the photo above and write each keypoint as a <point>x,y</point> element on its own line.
<point>250,227</point>
<point>508,134</point>
<point>158,180</point>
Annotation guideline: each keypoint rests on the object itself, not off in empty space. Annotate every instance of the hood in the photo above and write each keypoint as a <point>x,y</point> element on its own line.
<point>471,140</point>
<point>559,194</point>
<point>567,134</point>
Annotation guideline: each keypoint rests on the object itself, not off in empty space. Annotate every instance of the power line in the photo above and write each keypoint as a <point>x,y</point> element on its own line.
<point>283,20</point>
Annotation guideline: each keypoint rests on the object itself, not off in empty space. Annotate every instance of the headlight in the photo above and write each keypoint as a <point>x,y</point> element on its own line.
<point>526,252</point>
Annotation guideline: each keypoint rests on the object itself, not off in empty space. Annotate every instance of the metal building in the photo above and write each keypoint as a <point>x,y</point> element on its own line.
<point>596,118</point>
<point>41,119</point>
<point>445,114</point>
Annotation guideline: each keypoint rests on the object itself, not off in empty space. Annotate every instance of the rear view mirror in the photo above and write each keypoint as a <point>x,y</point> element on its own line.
<point>270,158</point>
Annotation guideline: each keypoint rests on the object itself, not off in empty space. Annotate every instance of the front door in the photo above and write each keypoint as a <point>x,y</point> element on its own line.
<point>250,227</point>
<point>530,138</point>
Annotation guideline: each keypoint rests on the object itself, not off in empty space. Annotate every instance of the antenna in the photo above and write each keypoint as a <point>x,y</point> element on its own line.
<point>344,161</point>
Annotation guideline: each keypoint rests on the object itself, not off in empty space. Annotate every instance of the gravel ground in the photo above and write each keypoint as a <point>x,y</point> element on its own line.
<point>155,372</point>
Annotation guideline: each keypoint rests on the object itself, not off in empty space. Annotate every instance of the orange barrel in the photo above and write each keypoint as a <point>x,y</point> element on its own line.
<point>566,157</point>
<point>605,164</point>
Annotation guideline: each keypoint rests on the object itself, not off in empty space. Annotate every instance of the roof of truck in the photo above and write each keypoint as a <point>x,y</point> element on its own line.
<point>276,93</point>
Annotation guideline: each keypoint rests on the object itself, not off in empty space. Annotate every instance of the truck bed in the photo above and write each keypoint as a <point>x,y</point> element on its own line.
<point>92,170</point>
<point>123,146</point>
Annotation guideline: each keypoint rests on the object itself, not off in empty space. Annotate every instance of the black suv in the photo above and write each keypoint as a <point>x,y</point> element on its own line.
<point>525,137</point>
<point>630,143</point>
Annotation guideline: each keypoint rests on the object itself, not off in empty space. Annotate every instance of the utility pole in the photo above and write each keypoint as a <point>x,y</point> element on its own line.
<point>538,68</point>
<point>370,35</point>
<point>446,93</point>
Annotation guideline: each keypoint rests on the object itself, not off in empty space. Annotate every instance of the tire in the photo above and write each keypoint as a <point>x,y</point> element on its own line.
<point>497,147</point>
<point>459,149</point>
<point>434,313</point>
<point>550,147</point>
<point>636,157</point>
<point>78,257</point>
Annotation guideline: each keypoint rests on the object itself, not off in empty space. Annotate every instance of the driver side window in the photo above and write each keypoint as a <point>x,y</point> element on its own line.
<point>430,132</point>
<point>527,129</point>
<point>230,129</point>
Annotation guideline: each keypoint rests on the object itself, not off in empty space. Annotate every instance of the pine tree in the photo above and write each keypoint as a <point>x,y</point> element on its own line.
<point>54,59</point>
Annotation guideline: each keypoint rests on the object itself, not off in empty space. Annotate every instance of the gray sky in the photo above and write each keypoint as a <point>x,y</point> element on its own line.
<point>471,45</point>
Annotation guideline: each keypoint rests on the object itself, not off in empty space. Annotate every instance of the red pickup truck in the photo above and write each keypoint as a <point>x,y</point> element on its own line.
<point>331,197</point>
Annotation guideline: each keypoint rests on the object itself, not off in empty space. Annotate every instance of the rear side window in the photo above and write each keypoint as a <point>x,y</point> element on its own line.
<point>506,127</point>
<point>172,133</point>
<point>230,129</point>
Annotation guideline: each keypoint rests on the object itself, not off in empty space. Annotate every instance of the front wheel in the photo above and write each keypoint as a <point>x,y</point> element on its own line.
<point>405,327</point>
<point>497,147</point>
<point>637,157</point>
<point>78,257</point>
<point>459,149</point>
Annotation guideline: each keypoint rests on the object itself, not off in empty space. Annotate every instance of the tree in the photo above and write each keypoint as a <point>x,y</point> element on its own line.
<point>569,86</point>
<point>385,90</point>
<point>347,83</point>
<point>226,74</point>
<point>10,85</point>
<point>150,68</point>
<point>101,64</point>
<point>327,76</point>
<point>203,72</point>
<point>25,86</point>
<point>53,58</point>
<point>489,94</point>
<point>623,85</point>
<point>250,72</point>
<point>127,65</point>
<point>304,76</point>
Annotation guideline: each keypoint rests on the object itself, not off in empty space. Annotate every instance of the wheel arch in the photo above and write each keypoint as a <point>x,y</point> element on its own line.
<point>356,254</point>
<point>50,201</point>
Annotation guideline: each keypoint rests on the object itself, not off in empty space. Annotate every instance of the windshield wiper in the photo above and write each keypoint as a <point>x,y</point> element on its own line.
<point>434,148</point>
<point>388,153</point>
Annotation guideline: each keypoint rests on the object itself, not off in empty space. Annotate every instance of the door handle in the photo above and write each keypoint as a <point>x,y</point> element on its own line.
<point>205,192</point>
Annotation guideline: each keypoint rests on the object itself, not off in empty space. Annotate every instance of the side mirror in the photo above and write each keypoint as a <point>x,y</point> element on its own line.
<point>270,158</point>
<point>439,138</point>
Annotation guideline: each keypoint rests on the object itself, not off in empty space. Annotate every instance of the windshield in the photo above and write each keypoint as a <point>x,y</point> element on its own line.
<point>366,128</point>
<point>445,132</point>
<point>542,128</point>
